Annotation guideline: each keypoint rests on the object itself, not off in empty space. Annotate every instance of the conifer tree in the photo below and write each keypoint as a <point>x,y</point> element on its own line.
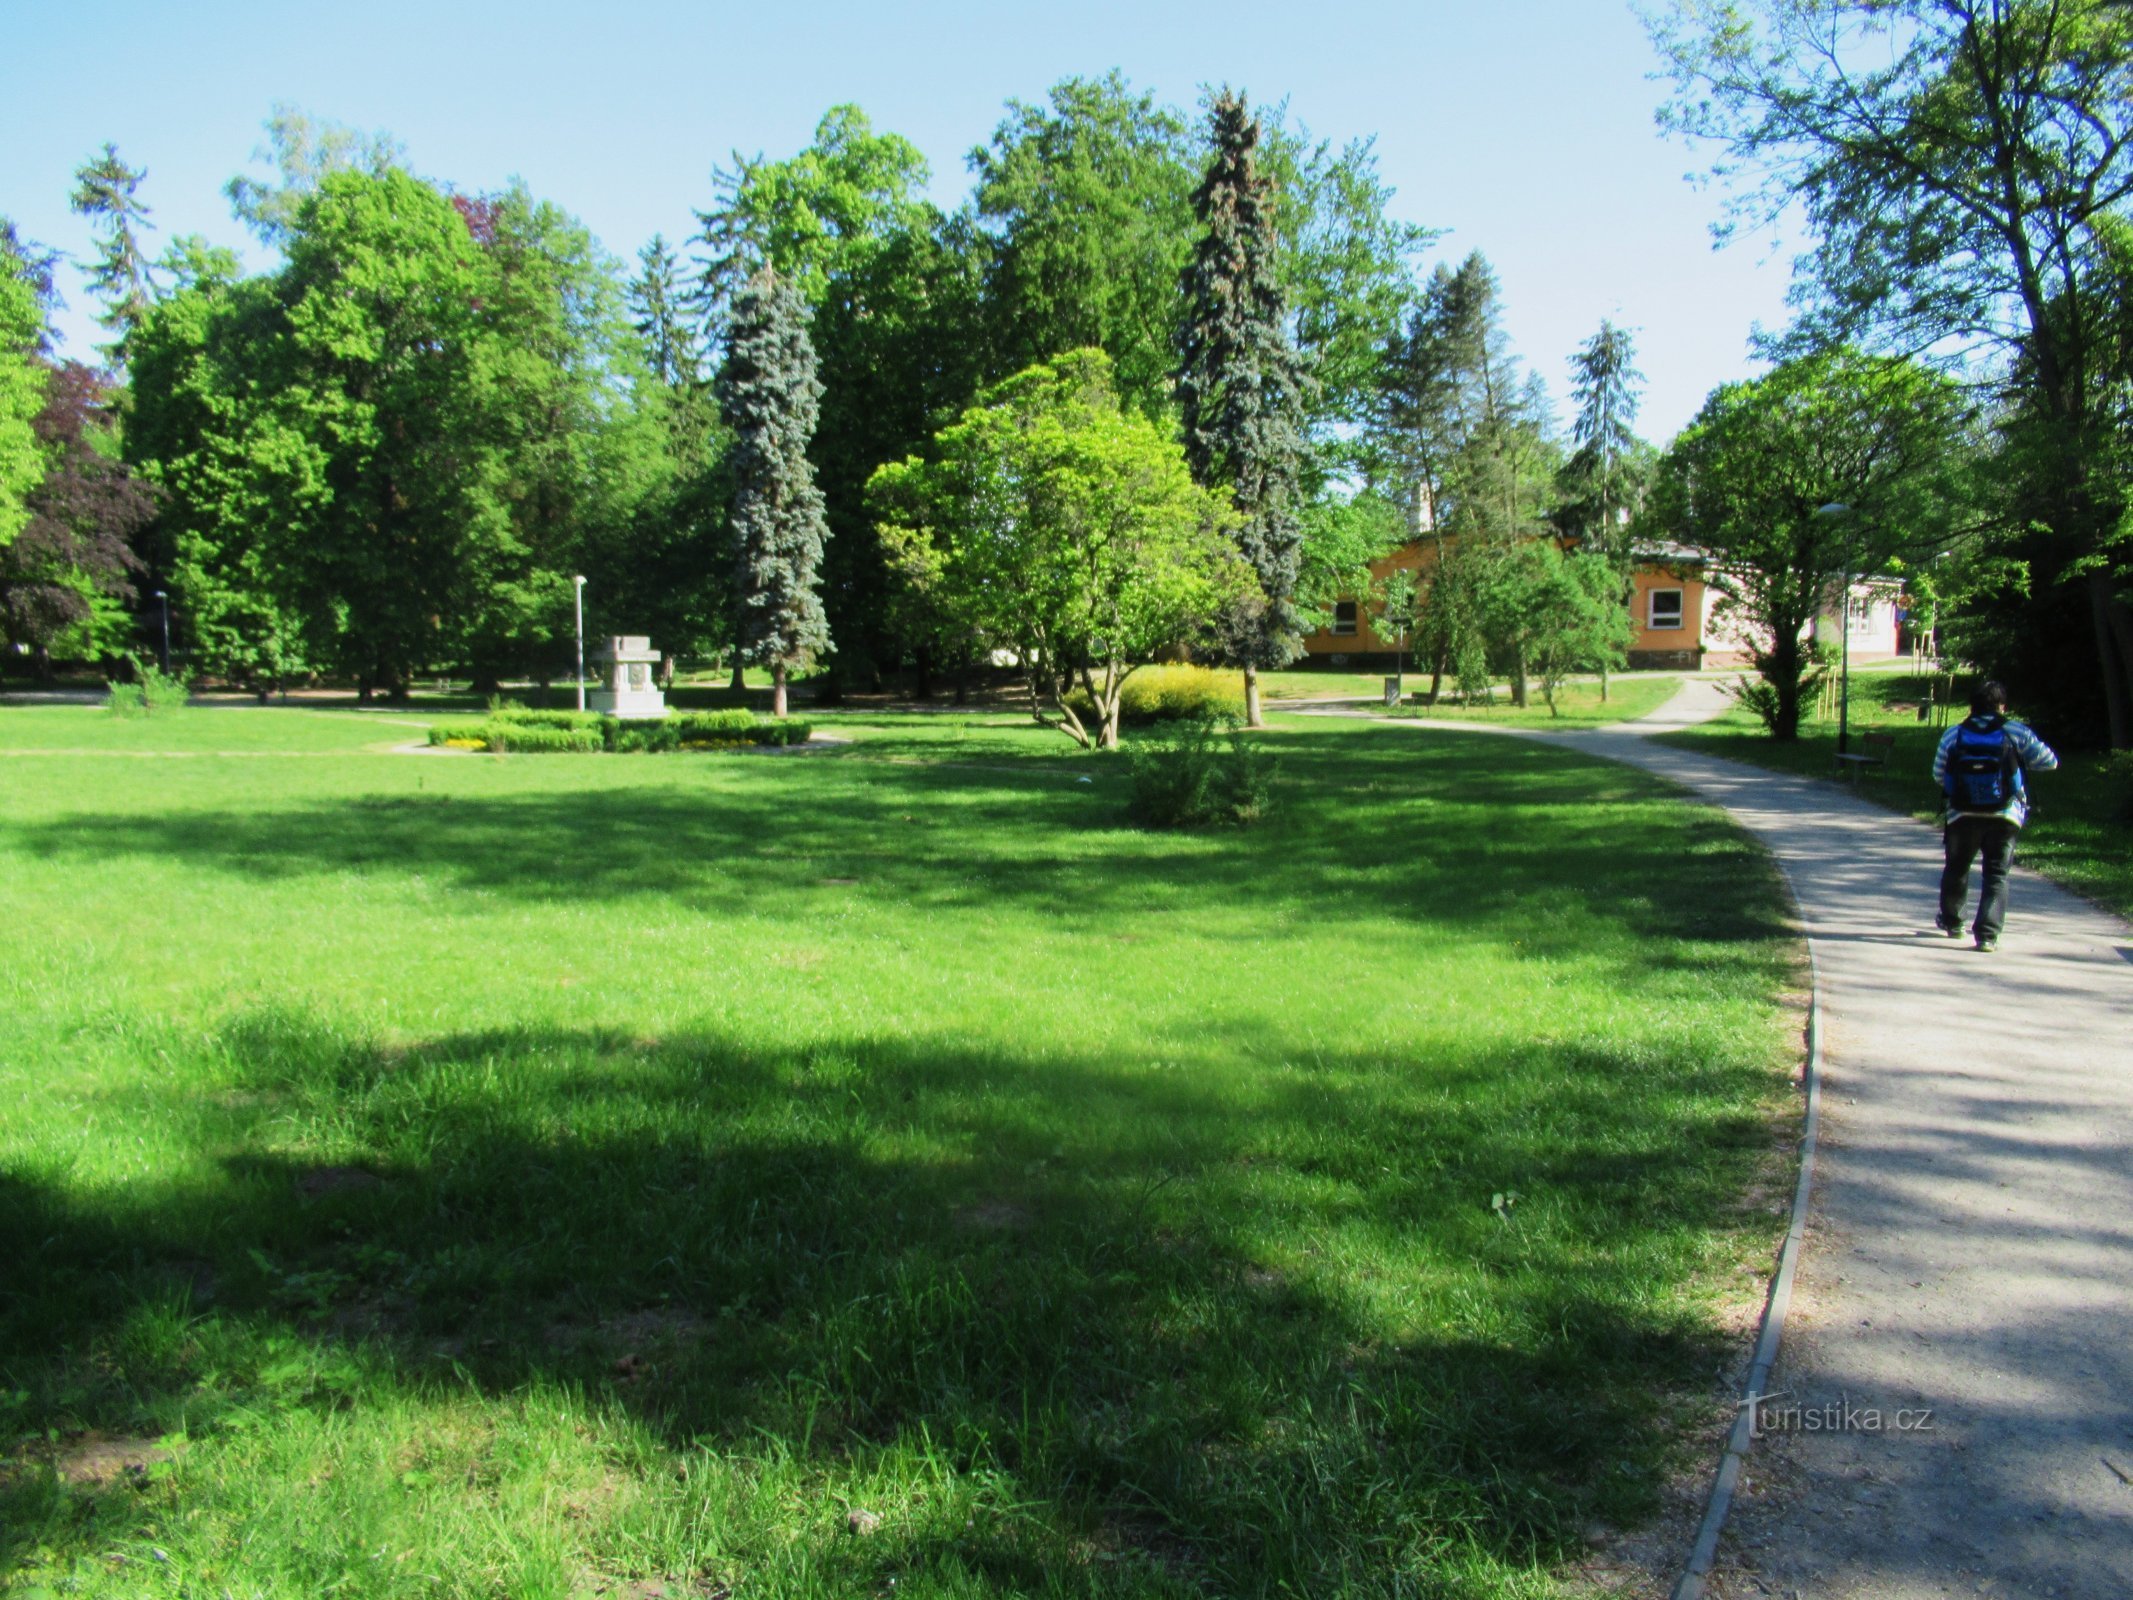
<point>1599,481</point>
<point>662,317</point>
<point>104,191</point>
<point>1240,387</point>
<point>771,397</point>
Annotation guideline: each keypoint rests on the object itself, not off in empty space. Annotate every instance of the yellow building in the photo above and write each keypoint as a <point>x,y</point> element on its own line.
<point>1669,612</point>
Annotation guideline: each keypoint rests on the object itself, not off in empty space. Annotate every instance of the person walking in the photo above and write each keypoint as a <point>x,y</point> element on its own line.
<point>1981,769</point>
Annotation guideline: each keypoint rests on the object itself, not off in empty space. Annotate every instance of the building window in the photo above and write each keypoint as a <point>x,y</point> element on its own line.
<point>1666,608</point>
<point>1344,616</point>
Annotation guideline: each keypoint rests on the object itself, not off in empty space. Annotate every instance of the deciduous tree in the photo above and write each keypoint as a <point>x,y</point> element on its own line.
<point>1055,524</point>
<point>1961,164</point>
<point>1825,470</point>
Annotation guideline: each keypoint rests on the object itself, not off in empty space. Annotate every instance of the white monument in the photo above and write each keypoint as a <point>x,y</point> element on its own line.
<point>626,687</point>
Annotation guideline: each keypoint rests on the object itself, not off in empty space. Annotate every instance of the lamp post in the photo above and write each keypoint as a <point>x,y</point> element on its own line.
<point>163,600</point>
<point>578,599</point>
<point>1837,508</point>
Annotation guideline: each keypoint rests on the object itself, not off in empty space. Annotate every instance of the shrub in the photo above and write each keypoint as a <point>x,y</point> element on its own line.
<point>512,728</point>
<point>1170,693</point>
<point>506,712</point>
<point>151,690</point>
<point>534,738</point>
<point>1202,770</point>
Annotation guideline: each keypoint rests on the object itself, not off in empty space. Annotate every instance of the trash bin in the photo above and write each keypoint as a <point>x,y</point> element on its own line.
<point>1392,691</point>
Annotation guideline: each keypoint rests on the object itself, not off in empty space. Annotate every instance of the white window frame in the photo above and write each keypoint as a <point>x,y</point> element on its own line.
<point>1681,610</point>
<point>1345,629</point>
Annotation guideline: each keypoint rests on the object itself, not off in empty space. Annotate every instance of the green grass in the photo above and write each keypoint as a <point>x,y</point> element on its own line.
<point>803,1174</point>
<point>2080,831</point>
<point>1577,705</point>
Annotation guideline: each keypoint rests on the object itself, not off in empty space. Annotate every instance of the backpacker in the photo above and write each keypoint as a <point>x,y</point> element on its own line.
<point>1983,774</point>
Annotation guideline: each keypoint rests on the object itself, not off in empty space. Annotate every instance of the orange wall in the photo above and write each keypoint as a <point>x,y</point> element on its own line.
<point>1646,637</point>
<point>1423,555</point>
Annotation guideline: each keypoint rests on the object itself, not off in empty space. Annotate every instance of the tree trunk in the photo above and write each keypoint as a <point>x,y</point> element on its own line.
<point>2114,657</point>
<point>1436,674</point>
<point>1603,683</point>
<point>922,674</point>
<point>1518,678</point>
<point>777,689</point>
<point>1253,717</point>
<point>739,684</point>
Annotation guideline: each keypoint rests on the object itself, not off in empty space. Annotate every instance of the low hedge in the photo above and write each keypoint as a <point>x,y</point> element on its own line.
<point>523,732</point>
<point>1170,693</point>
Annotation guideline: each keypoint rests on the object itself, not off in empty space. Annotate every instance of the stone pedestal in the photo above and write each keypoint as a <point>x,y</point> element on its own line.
<point>626,685</point>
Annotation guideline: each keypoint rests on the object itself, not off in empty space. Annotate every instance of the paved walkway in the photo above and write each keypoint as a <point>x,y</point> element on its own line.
<point>1970,1249</point>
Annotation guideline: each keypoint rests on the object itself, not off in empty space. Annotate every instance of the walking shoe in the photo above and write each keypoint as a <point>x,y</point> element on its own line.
<point>1987,943</point>
<point>1952,927</point>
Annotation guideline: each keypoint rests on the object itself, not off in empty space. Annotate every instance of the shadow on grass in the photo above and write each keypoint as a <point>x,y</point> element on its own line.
<point>1491,835</point>
<point>1140,1302</point>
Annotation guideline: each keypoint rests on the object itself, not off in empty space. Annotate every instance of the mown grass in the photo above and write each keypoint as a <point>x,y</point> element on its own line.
<point>878,1172</point>
<point>2080,831</point>
<point>1577,705</point>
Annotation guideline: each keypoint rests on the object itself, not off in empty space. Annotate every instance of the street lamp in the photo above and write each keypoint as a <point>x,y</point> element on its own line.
<point>163,600</point>
<point>578,599</point>
<point>1837,508</point>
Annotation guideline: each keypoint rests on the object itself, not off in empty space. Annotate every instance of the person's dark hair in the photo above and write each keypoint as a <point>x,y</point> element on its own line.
<point>1988,697</point>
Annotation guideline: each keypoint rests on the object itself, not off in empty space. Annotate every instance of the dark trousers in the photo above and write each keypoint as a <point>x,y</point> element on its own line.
<point>1966,839</point>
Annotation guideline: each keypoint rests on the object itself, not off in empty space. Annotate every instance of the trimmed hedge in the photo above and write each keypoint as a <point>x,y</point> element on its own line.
<point>523,732</point>
<point>1170,693</point>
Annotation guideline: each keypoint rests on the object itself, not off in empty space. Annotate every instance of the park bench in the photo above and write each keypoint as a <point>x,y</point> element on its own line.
<point>1871,756</point>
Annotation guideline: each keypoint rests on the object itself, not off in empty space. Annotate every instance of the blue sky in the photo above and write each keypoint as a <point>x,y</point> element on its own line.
<point>1523,128</point>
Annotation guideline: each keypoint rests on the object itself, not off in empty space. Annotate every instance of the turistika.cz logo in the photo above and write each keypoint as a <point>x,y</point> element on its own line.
<point>1842,1415</point>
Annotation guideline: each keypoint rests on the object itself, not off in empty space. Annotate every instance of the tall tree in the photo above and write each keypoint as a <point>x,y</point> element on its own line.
<point>1600,481</point>
<point>1240,388</point>
<point>1961,163</point>
<point>22,380</point>
<point>1758,480</point>
<point>813,216</point>
<point>395,379</point>
<point>1087,203</point>
<point>218,422</point>
<point>66,580</point>
<point>665,327</point>
<point>303,151</point>
<point>771,399</point>
<point>1348,271</point>
<point>106,192</point>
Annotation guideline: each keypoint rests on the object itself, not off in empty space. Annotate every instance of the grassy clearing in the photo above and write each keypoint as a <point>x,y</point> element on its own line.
<point>2080,833</point>
<point>798,1174</point>
<point>1577,705</point>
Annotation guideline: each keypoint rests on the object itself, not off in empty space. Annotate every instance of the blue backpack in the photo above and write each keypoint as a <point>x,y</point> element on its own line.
<point>1983,774</point>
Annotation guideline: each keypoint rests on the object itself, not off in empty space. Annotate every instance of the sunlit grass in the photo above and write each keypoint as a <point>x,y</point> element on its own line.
<point>790,1174</point>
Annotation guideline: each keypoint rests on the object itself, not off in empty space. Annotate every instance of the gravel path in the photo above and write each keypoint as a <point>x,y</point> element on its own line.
<point>1954,1410</point>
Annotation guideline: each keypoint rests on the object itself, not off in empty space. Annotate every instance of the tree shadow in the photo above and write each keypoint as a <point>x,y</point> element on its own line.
<point>1157,1311</point>
<point>1540,844</point>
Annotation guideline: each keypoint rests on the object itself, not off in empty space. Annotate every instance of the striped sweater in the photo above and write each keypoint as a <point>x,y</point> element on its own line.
<point>2031,753</point>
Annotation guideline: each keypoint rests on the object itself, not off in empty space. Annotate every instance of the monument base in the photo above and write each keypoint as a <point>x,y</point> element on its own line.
<point>629,704</point>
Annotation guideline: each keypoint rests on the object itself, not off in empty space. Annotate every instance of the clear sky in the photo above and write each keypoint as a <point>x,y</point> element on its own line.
<point>1521,127</point>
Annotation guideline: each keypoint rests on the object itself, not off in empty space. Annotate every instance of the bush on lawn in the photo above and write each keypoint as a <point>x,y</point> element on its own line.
<point>513,728</point>
<point>1170,694</point>
<point>150,691</point>
<point>1199,771</point>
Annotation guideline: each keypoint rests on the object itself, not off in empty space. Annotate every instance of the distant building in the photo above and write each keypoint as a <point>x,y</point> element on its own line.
<point>1671,611</point>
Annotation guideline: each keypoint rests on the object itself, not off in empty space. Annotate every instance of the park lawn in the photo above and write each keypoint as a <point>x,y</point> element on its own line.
<point>2080,832</point>
<point>804,1174</point>
<point>1577,705</point>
